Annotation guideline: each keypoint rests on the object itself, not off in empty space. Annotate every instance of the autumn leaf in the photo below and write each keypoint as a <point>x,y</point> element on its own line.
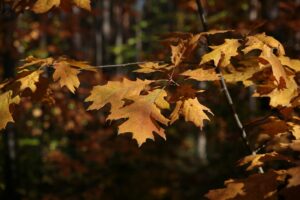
<point>282,97</point>
<point>294,179</point>
<point>267,45</point>
<point>222,54</point>
<point>295,130</point>
<point>143,115</point>
<point>114,92</point>
<point>183,49</point>
<point>151,67</point>
<point>82,65</point>
<point>31,61</point>
<point>258,160</point>
<point>243,75</point>
<point>249,188</point>
<point>192,111</point>
<point>6,100</point>
<point>231,191</point>
<point>85,4</point>
<point>293,64</point>
<point>42,6</point>
<point>30,80</point>
<point>201,74</point>
<point>66,75</point>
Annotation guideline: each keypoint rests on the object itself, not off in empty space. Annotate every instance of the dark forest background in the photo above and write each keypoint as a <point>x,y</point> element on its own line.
<point>64,152</point>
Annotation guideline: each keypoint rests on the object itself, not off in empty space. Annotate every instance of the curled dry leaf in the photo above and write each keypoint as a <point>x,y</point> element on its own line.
<point>267,45</point>
<point>282,97</point>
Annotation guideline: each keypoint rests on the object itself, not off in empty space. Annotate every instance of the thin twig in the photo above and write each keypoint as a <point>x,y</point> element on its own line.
<point>226,91</point>
<point>126,64</point>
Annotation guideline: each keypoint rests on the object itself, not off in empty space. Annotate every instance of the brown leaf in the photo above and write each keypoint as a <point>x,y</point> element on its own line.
<point>231,191</point>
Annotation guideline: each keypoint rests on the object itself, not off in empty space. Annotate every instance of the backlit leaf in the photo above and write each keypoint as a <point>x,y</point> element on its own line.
<point>142,115</point>
<point>114,92</point>
<point>222,54</point>
<point>6,100</point>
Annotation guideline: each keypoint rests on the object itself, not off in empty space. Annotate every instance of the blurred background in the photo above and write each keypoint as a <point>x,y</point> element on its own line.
<point>60,151</point>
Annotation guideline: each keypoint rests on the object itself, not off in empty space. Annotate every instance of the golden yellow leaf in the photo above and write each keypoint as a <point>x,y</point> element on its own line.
<point>243,75</point>
<point>66,75</point>
<point>278,70</point>
<point>31,61</point>
<point>201,74</point>
<point>282,97</point>
<point>271,42</point>
<point>30,80</point>
<point>6,100</point>
<point>114,92</point>
<point>85,4</point>
<point>291,63</point>
<point>267,44</point>
<point>192,111</point>
<point>222,54</point>
<point>160,99</point>
<point>79,64</point>
<point>142,115</point>
<point>151,67</point>
<point>42,6</point>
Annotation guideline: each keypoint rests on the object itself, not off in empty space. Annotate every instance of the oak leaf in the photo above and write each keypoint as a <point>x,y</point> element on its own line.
<point>291,63</point>
<point>267,45</point>
<point>201,74</point>
<point>232,190</point>
<point>114,92</point>
<point>191,110</point>
<point>30,80</point>
<point>282,97</point>
<point>294,180</point>
<point>258,160</point>
<point>42,6</point>
<point>85,4</point>
<point>151,67</point>
<point>184,48</point>
<point>6,100</point>
<point>222,54</point>
<point>143,115</point>
<point>66,75</point>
